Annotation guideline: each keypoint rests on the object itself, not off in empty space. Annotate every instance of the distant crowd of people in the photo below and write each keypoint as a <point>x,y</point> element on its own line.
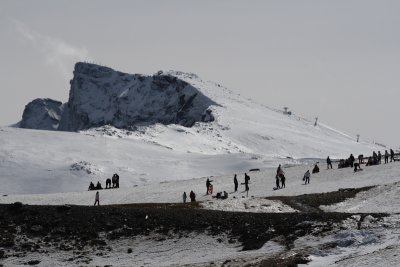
<point>115,184</point>
<point>280,179</point>
<point>114,181</point>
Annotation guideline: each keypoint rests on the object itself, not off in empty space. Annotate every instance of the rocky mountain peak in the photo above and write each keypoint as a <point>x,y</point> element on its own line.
<point>102,96</point>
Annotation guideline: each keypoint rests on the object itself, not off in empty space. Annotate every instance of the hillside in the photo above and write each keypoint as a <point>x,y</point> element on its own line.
<point>282,227</point>
<point>217,132</point>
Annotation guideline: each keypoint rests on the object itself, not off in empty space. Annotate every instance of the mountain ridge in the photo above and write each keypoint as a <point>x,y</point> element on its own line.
<point>102,96</point>
<point>227,134</point>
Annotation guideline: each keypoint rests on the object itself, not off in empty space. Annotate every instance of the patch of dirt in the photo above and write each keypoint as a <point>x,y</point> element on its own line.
<point>312,202</point>
<point>25,228</point>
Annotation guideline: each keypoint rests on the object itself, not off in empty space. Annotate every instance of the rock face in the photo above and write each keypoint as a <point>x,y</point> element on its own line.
<point>102,96</point>
<point>42,114</point>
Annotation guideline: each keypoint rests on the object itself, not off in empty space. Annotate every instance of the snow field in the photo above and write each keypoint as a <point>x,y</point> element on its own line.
<point>387,176</point>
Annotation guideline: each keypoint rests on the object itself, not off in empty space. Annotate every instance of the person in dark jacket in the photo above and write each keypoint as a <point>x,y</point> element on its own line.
<point>357,167</point>
<point>386,156</point>
<point>360,159</point>
<point>277,182</point>
<point>351,160</point>
<point>208,183</point>
<point>184,197</point>
<point>246,181</point>
<point>98,186</point>
<point>306,177</point>
<point>91,186</point>
<point>391,155</point>
<point>379,157</point>
<point>283,179</point>
<point>192,196</point>
<point>97,199</point>
<point>235,181</point>
<point>329,162</point>
<point>316,168</point>
<point>374,158</point>
<point>278,170</point>
<point>369,162</point>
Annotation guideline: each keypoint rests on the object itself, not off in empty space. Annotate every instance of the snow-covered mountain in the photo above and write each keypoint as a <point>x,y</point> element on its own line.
<point>101,96</point>
<point>149,129</point>
<point>164,134</point>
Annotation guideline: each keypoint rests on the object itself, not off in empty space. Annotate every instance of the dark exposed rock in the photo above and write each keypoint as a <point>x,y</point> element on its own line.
<point>102,96</point>
<point>44,114</point>
<point>81,226</point>
<point>33,262</point>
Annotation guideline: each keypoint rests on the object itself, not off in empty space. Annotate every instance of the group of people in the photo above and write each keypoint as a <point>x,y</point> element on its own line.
<point>192,196</point>
<point>115,184</point>
<point>280,178</point>
<point>219,195</point>
<point>343,163</point>
<point>375,159</point>
<point>114,181</point>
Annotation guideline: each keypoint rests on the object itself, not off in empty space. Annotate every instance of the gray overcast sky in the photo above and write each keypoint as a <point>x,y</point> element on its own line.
<point>338,60</point>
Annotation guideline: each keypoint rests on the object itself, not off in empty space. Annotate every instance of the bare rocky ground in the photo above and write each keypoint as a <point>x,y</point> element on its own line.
<point>26,229</point>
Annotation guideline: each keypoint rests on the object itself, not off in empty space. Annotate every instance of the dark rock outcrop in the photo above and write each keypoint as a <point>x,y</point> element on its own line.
<point>42,114</point>
<point>102,96</point>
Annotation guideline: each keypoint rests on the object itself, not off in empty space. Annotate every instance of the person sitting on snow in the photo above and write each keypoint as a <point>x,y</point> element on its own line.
<point>357,167</point>
<point>315,169</point>
<point>91,186</point>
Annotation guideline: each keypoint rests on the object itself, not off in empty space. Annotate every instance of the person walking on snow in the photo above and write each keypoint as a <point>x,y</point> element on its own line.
<point>277,181</point>
<point>278,171</point>
<point>97,199</point>
<point>386,156</point>
<point>235,181</point>
<point>329,162</point>
<point>192,196</point>
<point>184,197</point>
<point>246,183</point>
<point>208,183</point>
<point>283,179</point>
<point>306,177</point>
<point>391,155</point>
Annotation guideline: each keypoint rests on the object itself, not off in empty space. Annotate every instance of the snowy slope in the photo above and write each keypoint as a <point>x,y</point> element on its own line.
<point>241,135</point>
<point>35,161</point>
<point>261,186</point>
<point>375,243</point>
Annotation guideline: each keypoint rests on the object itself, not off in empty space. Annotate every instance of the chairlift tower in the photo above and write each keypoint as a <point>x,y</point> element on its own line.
<point>286,111</point>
